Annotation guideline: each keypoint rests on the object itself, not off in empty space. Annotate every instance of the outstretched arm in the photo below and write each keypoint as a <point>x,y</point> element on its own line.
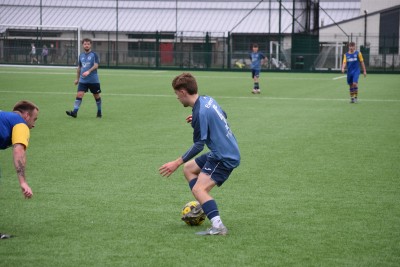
<point>168,168</point>
<point>19,154</point>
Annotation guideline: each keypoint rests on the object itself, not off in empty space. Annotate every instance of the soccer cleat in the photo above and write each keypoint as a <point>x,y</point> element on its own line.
<point>99,115</point>
<point>71,113</point>
<point>214,231</point>
<point>5,236</point>
<point>355,100</point>
<point>258,91</point>
<point>352,101</point>
<point>254,91</point>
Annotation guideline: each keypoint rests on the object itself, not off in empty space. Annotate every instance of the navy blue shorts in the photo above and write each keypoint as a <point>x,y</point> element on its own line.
<point>352,77</point>
<point>255,73</point>
<point>217,171</point>
<point>94,87</point>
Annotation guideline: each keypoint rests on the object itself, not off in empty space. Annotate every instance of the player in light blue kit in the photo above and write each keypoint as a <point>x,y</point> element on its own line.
<point>257,60</point>
<point>87,78</point>
<point>353,59</point>
<point>211,128</point>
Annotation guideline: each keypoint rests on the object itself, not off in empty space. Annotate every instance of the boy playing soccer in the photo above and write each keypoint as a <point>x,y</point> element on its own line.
<point>257,60</point>
<point>352,59</point>
<point>210,128</point>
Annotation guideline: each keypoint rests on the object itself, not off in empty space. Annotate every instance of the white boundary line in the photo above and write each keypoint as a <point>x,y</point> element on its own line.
<point>224,97</point>
<point>340,77</point>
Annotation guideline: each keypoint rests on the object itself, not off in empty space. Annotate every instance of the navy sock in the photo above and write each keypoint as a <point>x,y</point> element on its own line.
<point>77,104</point>
<point>210,209</point>
<point>98,103</point>
<point>192,183</point>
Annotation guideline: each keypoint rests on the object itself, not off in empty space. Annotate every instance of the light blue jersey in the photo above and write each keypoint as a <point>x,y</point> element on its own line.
<point>86,61</point>
<point>211,127</point>
<point>256,60</point>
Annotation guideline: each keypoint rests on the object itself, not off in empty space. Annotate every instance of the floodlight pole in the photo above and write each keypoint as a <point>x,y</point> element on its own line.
<point>365,27</point>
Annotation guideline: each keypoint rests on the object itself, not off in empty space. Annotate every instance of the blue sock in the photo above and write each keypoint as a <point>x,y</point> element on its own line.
<point>98,103</point>
<point>77,104</point>
<point>192,183</point>
<point>210,209</point>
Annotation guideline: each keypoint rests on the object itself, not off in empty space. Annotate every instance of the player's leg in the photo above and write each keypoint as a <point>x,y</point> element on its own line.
<point>350,77</point>
<point>253,76</point>
<point>191,171</point>
<point>82,88</point>
<point>212,173</point>
<point>355,86</point>
<point>256,87</point>
<point>95,89</point>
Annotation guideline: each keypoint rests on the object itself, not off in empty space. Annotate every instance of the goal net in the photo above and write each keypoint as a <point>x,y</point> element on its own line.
<point>39,44</point>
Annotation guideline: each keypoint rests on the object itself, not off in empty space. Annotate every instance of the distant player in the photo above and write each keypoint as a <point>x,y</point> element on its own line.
<point>352,59</point>
<point>87,78</point>
<point>257,60</point>
<point>210,127</point>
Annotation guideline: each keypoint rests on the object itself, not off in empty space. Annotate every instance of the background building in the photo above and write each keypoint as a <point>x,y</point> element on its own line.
<point>297,34</point>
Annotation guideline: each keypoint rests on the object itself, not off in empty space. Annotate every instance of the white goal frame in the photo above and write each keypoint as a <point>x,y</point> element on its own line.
<point>77,29</point>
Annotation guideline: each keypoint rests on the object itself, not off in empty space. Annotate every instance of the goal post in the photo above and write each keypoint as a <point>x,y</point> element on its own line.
<point>27,44</point>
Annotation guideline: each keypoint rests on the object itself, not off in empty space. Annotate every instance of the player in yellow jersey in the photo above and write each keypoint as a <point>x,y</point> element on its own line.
<point>15,131</point>
<point>352,60</point>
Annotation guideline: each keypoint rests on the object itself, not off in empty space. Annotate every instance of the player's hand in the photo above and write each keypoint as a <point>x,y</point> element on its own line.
<point>189,119</point>
<point>168,168</point>
<point>365,74</point>
<point>86,73</point>
<point>76,82</point>
<point>26,190</point>
<point>342,70</point>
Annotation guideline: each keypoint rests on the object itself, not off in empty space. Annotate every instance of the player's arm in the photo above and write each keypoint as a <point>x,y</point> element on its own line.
<point>364,69</point>
<point>344,63</point>
<point>95,67</point>
<point>20,140</point>
<point>264,59</point>
<point>78,73</point>
<point>360,57</point>
<point>168,168</point>
<point>19,155</point>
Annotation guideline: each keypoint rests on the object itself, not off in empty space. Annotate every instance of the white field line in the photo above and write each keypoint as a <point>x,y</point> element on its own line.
<point>225,97</point>
<point>340,77</point>
<point>161,73</point>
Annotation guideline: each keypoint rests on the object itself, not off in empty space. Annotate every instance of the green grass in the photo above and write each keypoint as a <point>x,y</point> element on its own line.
<point>318,184</point>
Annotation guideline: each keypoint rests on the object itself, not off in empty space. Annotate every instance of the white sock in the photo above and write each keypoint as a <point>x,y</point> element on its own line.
<point>216,222</point>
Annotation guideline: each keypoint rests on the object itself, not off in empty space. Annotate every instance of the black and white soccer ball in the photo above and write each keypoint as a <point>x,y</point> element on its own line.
<point>193,214</point>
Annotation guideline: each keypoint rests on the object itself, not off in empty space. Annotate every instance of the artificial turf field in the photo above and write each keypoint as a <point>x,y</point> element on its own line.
<point>318,184</point>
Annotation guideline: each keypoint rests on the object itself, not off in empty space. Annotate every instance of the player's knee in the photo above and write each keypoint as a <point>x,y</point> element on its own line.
<point>188,170</point>
<point>197,190</point>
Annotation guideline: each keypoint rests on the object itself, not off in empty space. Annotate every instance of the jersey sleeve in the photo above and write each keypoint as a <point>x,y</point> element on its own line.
<point>203,125</point>
<point>360,57</point>
<point>20,134</point>
<point>96,58</point>
<point>344,59</point>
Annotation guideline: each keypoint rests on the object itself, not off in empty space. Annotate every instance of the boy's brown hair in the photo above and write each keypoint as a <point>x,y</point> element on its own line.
<point>185,81</point>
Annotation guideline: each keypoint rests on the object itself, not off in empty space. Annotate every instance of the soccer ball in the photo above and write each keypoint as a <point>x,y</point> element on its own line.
<point>193,214</point>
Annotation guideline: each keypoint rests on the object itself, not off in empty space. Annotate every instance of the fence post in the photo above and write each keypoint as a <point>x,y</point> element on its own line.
<point>229,57</point>
<point>157,49</point>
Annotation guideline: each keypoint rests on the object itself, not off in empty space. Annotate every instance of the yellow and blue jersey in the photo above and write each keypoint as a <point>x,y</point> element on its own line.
<point>353,61</point>
<point>13,130</point>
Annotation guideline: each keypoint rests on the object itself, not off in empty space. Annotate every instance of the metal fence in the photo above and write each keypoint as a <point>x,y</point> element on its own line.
<point>195,50</point>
